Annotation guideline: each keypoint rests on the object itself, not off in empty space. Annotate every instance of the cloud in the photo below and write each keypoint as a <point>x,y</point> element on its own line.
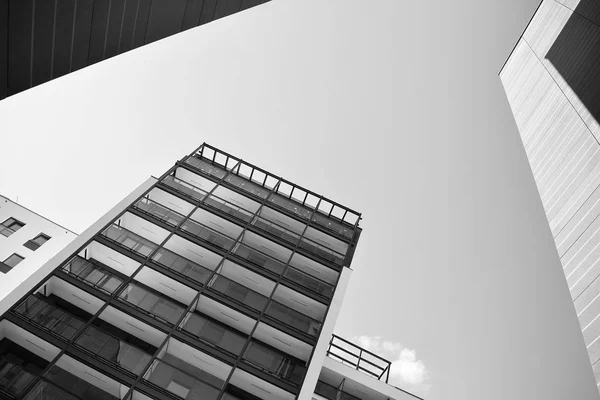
<point>406,372</point>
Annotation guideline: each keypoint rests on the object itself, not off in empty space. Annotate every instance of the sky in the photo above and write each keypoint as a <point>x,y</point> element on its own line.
<point>391,107</point>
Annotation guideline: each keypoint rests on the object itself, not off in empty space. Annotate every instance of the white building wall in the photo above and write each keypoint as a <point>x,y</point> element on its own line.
<point>320,352</point>
<point>33,260</point>
<point>19,286</point>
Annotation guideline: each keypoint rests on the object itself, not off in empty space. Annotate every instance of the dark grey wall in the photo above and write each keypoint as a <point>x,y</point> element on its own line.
<point>42,40</point>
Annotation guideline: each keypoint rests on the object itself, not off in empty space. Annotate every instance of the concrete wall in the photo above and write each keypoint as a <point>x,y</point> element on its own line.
<point>552,82</point>
<point>34,225</point>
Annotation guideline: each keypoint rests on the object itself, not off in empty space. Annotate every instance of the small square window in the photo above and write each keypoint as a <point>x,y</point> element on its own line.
<point>37,241</point>
<point>10,226</point>
<point>11,262</point>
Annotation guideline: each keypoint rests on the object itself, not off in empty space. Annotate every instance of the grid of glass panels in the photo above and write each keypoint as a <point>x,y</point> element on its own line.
<point>239,256</point>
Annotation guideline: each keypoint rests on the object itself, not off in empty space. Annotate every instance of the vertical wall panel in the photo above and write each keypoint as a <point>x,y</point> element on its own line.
<point>227,7</point>
<point>65,13</point>
<point>98,32</point>
<point>19,44</point>
<point>141,24</point>
<point>81,40</point>
<point>208,10</point>
<point>114,28</point>
<point>166,18</point>
<point>191,17</point>
<point>3,49</point>
<point>129,17</point>
<point>43,34</point>
<point>552,82</point>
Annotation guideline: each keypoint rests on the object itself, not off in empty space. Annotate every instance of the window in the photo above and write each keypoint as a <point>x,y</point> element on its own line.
<point>10,226</point>
<point>10,263</point>
<point>37,241</point>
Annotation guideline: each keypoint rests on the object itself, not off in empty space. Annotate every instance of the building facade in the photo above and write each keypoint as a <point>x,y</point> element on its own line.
<point>44,40</point>
<point>552,82</point>
<point>218,280</point>
<point>27,242</point>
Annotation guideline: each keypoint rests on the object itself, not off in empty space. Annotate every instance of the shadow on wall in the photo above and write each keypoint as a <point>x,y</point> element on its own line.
<point>576,54</point>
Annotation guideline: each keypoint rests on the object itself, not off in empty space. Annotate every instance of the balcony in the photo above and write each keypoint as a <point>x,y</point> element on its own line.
<point>152,303</point>
<point>332,393</point>
<point>214,333</point>
<point>276,230</point>
<point>206,167</point>
<point>248,186</point>
<point>275,362</point>
<point>49,314</point>
<point>309,282</point>
<point>238,292</point>
<point>129,240</point>
<point>79,381</point>
<point>184,188</point>
<point>187,372</point>
<point>293,318</point>
<point>182,266</point>
<point>207,235</point>
<point>159,211</point>
<point>259,259</point>
<point>228,208</point>
<point>322,251</point>
<point>358,358</point>
<point>93,275</point>
<point>114,350</point>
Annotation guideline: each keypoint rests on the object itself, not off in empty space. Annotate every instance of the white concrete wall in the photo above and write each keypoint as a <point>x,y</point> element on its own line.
<point>34,225</point>
<point>12,289</point>
<point>319,355</point>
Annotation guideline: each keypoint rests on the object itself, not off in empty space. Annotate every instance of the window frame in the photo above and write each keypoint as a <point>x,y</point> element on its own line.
<point>4,227</point>
<point>13,255</point>
<point>33,245</point>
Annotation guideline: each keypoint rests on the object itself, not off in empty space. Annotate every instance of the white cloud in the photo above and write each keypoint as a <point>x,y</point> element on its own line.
<point>406,372</point>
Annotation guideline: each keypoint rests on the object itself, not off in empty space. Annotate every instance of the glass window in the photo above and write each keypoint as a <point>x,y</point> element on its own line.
<point>154,304</point>
<point>10,226</point>
<point>36,242</point>
<point>13,260</point>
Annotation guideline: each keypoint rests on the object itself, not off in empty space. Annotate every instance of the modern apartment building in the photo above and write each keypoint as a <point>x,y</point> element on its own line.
<point>27,241</point>
<point>44,40</point>
<point>218,280</point>
<point>552,81</point>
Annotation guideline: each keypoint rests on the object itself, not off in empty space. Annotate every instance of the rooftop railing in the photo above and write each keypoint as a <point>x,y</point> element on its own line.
<point>358,358</point>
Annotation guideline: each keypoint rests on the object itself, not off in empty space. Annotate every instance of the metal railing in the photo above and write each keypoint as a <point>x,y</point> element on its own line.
<point>358,358</point>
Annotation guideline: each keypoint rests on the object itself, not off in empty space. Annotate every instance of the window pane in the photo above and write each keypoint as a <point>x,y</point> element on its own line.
<point>13,260</point>
<point>41,239</point>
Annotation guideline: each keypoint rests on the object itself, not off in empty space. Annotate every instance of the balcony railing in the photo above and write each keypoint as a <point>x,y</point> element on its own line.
<point>276,230</point>
<point>186,382</point>
<point>184,187</point>
<point>275,362</point>
<point>159,211</point>
<point>321,251</point>
<point>229,208</point>
<point>152,303</point>
<point>295,319</point>
<point>93,275</point>
<point>215,334</point>
<point>248,186</point>
<point>259,259</point>
<point>332,393</point>
<point>129,240</point>
<point>182,265</point>
<point>359,358</point>
<point>238,292</point>
<point>309,282</point>
<point>113,350</point>
<point>207,234</point>
<point>50,317</point>
<point>206,167</point>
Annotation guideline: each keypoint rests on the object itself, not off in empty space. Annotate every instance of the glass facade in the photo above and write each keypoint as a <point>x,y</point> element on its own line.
<point>167,299</point>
